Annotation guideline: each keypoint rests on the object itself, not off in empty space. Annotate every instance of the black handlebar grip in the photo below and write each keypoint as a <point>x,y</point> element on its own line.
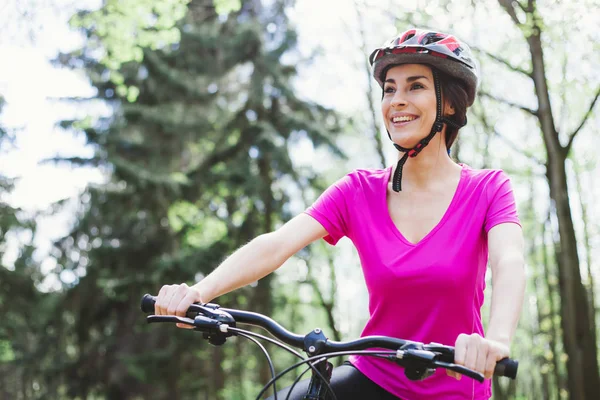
<point>148,303</point>
<point>507,367</point>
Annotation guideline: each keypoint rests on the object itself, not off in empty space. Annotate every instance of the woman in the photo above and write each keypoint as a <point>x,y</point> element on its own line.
<point>424,231</point>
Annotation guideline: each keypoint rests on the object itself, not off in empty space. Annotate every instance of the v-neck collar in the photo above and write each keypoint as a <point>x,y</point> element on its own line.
<point>390,221</point>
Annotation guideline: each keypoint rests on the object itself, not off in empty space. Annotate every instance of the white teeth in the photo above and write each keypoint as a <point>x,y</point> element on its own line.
<point>404,118</point>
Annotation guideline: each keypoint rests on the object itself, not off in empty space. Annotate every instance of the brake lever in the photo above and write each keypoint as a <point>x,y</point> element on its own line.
<point>505,367</point>
<point>445,353</point>
<point>421,363</point>
<point>170,318</point>
<point>211,312</point>
<point>460,369</point>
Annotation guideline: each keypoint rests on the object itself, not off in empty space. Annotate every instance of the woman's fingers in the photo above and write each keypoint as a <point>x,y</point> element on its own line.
<point>460,353</point>
<point>478,354</point>
<point>191,296</point>
<point>163,299</point>
<point>179,294</point>
<point>490,365</point>
<point>483,352</point>
<point>175,300</point>
<point>473,349</point>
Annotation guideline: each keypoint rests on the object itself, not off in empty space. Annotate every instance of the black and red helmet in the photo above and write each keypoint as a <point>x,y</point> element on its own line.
<point>440,50</point>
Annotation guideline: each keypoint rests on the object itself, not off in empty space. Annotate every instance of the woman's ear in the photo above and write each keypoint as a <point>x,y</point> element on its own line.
<point>448,109</point>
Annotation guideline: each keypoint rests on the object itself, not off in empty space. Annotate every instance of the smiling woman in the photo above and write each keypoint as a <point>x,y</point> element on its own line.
<point>419,85</point>
<point>437,53</point>
<point>423,247</point>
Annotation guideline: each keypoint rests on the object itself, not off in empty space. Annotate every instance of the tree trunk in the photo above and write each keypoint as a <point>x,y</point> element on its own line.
<point>580,345</point>
<point>373,110</point>
<point>588,253</point>
<point>550,289</point>
<point>263,301</point>
<point>532,257</point>
<point>578,339</point>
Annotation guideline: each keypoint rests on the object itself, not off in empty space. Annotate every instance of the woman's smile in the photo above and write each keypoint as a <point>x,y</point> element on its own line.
<point>399,120</point>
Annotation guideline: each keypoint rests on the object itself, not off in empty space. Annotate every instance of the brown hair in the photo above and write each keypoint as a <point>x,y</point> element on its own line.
<point>454,92</point>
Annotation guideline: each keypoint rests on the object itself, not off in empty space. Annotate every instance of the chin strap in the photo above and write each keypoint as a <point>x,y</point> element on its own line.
<point>438,124</point>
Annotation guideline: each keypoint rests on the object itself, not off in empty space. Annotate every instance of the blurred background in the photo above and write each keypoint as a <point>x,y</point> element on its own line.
<point>141,142</point>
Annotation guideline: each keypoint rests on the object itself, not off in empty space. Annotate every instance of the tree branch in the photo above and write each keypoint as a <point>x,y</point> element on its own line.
<point>508,142</point>
<point>583,121</point>
<point>530,6</point>
<point>327,305</point>
<point>509,8</point>
<point>516,148</point>
<point>377,137</point>
<point>503,101</point>
<point>503,61</point>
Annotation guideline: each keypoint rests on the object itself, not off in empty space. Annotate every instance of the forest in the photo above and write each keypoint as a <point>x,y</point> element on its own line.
<point>211,122</point>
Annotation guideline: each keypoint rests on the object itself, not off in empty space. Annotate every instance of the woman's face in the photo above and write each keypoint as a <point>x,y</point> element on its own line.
<point>409,104</point>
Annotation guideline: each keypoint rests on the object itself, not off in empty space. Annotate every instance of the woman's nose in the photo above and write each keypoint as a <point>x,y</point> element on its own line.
<point>398,100</point>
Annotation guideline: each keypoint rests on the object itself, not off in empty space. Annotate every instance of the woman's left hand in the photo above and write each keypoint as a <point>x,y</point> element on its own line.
<point>478,353</point>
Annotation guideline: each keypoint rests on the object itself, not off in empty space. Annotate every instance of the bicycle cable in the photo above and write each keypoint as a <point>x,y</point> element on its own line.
<point>305,371</point>
<point>268,339</point>
<point>317,360</point>
<point>244,332</point>
<point>287,397</point>
<point>271,366</point>
<point>373,353</point>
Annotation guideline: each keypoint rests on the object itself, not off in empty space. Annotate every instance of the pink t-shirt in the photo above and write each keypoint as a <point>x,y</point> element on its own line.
<point>431,291</point>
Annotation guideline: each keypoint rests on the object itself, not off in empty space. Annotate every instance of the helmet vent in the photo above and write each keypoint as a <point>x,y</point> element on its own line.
<point>431,37</point>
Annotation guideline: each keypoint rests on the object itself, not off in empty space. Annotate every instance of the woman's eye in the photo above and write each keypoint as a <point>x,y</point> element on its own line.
<point>417,85</point>
<point>388,89</point>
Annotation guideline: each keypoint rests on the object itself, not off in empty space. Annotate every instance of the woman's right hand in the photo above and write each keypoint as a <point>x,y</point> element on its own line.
<point>175,300</point>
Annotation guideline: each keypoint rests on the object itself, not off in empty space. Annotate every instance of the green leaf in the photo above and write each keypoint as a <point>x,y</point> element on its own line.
<point>206,233</point>
<point>122,27</point>
<point>6,351</point>
<point>132,94</point>
<point>224,7</point>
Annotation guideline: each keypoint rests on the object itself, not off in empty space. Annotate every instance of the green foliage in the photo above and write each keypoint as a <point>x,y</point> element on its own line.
<point>201,230</point>
<point>7,353</point>
<point>196,155</point>
<point>224,7</point>
<point>124,28</point>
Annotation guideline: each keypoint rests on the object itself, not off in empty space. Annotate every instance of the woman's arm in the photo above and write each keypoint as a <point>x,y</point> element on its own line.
<point>253,261</point>
<point>505,244</point>
<point>260,257</point>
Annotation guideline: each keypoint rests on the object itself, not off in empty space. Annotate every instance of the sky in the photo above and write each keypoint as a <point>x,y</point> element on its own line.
<point>31,87</point>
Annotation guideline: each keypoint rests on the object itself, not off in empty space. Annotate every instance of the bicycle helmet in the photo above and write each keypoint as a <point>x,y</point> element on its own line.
<point>440,50</point>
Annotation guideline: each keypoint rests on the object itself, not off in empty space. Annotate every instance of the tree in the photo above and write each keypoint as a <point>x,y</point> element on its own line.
<point>22,338</point>
<point>578,335</point>
<point>198,163</point>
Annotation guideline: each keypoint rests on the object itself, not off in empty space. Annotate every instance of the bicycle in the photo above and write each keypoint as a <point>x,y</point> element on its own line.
<point>419,360</point>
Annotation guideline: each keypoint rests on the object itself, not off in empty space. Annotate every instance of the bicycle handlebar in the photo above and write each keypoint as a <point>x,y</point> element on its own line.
<point>212,319</point>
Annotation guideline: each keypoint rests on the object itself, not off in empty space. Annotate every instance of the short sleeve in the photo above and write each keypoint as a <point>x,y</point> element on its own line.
<point>331,210</point>
<point>502,207</point>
